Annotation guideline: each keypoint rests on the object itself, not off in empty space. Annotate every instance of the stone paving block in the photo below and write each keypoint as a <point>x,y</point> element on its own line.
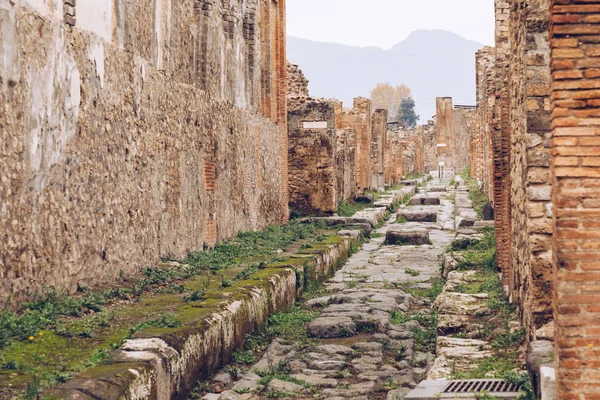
<point>407,238</point>
<point>418,216</point>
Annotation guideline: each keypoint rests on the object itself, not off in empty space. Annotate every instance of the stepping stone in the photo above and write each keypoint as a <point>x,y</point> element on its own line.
<point>431,201</point>
<point>436,189</point>
<point>331,327</point>
<point>418,216</point>
<point>462,222</point>
<point>424,201</point>
<point>464,241</point>
<point>407,238</point>
<point>409,183</point>
<point>351,233</point>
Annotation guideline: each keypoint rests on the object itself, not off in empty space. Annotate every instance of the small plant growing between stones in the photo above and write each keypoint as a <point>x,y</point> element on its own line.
<point>233,371</point>
<point>412,272</point>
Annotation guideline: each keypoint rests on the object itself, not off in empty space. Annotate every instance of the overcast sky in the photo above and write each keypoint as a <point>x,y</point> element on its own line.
<point>383,23</point>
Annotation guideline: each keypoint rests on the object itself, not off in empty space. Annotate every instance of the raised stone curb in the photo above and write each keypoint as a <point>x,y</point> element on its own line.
<point>161,363</point>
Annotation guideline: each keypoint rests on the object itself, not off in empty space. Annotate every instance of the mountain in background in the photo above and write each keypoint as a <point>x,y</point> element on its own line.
<point>433,63</point>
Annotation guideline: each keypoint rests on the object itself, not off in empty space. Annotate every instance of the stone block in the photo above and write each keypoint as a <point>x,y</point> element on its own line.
<point>431,201</point>
<point>418,216</point>
<point>365,198</point>
<point>464,241</point>
<point>354,234</point>
<point>487,212</point>
<point>462,222</point>
<point>407,238</point>
<point>540,353</point>
<point>436,189</point>
<point>416,201</point>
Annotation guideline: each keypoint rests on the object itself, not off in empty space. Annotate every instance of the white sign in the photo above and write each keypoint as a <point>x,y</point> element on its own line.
<point>441,163</point>
<point>314,125</point>
<point>442,145</point>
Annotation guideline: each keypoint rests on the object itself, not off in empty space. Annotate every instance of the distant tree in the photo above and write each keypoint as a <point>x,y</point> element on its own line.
<point>406,113</point>
<point>387,97</point>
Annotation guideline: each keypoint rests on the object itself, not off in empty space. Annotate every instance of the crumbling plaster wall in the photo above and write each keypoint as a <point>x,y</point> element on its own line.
<point>135,134</point>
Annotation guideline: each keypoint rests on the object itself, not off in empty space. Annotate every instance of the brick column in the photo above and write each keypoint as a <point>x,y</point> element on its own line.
<point>501,138</point>
<point>575,170</point>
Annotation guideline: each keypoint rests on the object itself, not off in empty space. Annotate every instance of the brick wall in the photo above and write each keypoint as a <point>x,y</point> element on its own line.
<point>530,267</point>
<point>134,138</point>
<point>501,138</point>
<point>575,156</point>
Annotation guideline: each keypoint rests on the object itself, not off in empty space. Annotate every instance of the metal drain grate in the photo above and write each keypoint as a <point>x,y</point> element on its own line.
<point>480,386</point>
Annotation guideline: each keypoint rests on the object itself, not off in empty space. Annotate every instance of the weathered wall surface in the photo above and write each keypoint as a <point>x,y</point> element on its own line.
<point>345,162</point>
<point>358,119</point>
<point>575,161</point>
<point>481,156</point>
<point>530,268</point>
<point>430,162</point>
<point>501,141</point>
<point>135,134</point>
<point>463,123</point>
<point>297,87</point>
<point>444,131</point>
<point>379,137</point>
<point>312,158</point>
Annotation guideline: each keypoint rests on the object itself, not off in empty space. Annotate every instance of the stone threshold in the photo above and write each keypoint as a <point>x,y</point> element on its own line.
<point>166,363</point>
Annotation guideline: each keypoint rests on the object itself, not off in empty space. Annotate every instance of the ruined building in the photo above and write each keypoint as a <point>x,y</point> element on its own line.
<point>133,131</point>
<point>454,127</point>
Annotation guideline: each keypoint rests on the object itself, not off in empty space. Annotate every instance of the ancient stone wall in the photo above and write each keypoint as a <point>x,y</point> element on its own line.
<point>297,87</point>
<point>444,131</point>
<point>312,158</point>
<point>530,267</point>
<point>379,119</point>
<point>463,122</point>
<point>481,156</point>
<point>407,145</point>
<point>429,147</point>
<point>501,138</point>
<point>131,131</point>
<point>345,162</point>
<point>358,119</point>
<point>575,159</point>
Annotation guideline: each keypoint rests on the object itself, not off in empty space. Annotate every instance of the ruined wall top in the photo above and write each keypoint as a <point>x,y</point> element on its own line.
<point>297,86</point>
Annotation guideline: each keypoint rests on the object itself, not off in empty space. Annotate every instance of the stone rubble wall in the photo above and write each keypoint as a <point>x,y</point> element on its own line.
<point>359,119</point>
<point>297,87</point>
<point>444,125</point>
<point>135,130</point>
<point>312,158</point>
<point>380,119</point>
<point>481,141</point>
<point>530,268</point>
<point>463,124</point>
